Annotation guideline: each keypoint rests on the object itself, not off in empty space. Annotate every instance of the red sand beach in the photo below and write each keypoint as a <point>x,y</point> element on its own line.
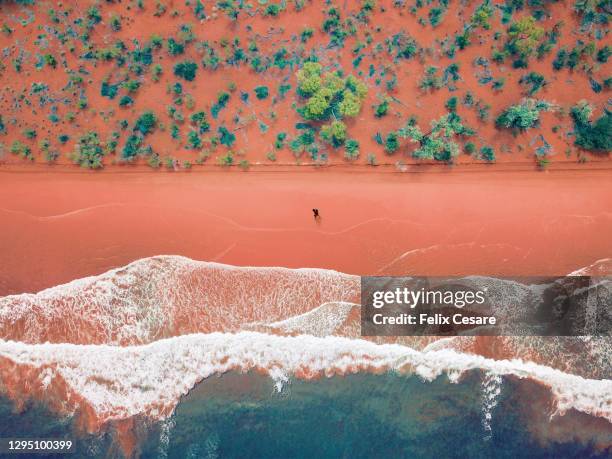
<point>64,225</point>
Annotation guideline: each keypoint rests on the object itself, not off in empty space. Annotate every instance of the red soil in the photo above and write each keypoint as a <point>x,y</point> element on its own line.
<point>62,226</point>
<point>102,115</point>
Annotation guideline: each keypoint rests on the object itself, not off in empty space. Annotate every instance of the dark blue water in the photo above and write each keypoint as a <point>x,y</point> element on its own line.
<point>359,416</point>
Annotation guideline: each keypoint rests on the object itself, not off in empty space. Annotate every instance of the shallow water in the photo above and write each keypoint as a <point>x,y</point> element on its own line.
<point>388,415</point>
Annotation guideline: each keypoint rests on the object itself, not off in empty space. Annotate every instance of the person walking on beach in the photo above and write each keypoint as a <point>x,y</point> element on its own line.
<point>316,214</point>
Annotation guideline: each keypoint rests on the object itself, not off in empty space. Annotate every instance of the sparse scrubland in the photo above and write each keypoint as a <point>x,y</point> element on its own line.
<point>230,83</point>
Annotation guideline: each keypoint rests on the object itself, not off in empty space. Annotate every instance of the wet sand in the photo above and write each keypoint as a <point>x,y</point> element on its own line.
<point>64,225</point>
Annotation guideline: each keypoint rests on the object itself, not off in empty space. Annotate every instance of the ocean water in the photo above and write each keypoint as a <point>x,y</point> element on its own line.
<point>169,357</point>
<point>357,416</point>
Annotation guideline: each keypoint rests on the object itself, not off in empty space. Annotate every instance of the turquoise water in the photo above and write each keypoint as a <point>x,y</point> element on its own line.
<point>358,416</point>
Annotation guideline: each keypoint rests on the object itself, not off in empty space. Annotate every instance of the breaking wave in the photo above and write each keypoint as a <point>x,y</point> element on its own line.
<point>166,296</point>
<point>114,382</point>
<point>133,341</point>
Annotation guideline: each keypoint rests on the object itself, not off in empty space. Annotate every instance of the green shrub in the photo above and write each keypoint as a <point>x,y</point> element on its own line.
<point>261,92</point>
<point>199,119</point>
<point>391,143</point>
<point>524,36</point>
<point>131,147</point>
<point>351,149</point>
<point>451,104</point>
<point>146,123</point>
<point>226,137</point>
<point>604,53</point>
<point>50,60</point>
<point>222,100</point>
<point>227,159</point>
<point>334,133</point>
<point>175,48</point>
<point>131,85</point>
<point>115,23</point>
<point>273,10</point>
<point>597,136</point>
<point>280,140</point>
<point>194,140</point>
<point>381,109</point>
<point>522,116</point>
<point>186,70</point>
<point>109,90</point>
<point>438,143</point>
<point>487,153</point>
<point>306,34</point>
<point>89,152</point>
<point>156,72</point>
<point>328,93</point>
<point>29,133</point>
<point>535,80</point>
<point>431,79</point>
<point>126,101</point>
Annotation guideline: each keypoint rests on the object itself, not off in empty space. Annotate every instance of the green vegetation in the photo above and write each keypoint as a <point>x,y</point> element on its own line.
<point>146,123</point>
<point>222,100</point>
<point>328,95</point>
<point>438,143</point>
<point>524,36</point>
<point>451,104</point>
<point>534,81</point>
<point>593,136</point>
<point>306,34</point>
<point>89,152</point>
<point>89,59</point>
<point>109,90</point>
<point>391,143</point>
<point>469,148</point>
<point>604,53</point>
<point>126,101</point>
<point>29,133</point>
<point>186,70</point>
<point>522,116</point>
<point>199,120</point>
<point>593,11</point>
<point>18,148</point>
<point>115,23</point>
<point>334,133</point>
<point>351,151</point>
<point>280,140</point>
<point>175,48</point>
<point>431,79</point>
<point>487,153</point>
<point>194,140</point>
<point>50,60</point>
<point>226,137</point>
<point>382,108</point>
<point>261,92</point>
<point>227,159</point>
<point>156,72</point>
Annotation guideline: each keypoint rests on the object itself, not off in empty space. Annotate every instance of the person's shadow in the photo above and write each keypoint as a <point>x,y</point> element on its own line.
<point>317,216</point>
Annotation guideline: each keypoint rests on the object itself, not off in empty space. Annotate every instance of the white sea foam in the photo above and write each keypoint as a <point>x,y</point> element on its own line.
<point>491,388</point>
<point>120,382</point>
<point>324,320</point>
<point>165,296</point>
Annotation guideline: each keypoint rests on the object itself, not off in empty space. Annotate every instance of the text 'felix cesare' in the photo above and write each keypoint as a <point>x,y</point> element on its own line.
<point>412,298</point>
